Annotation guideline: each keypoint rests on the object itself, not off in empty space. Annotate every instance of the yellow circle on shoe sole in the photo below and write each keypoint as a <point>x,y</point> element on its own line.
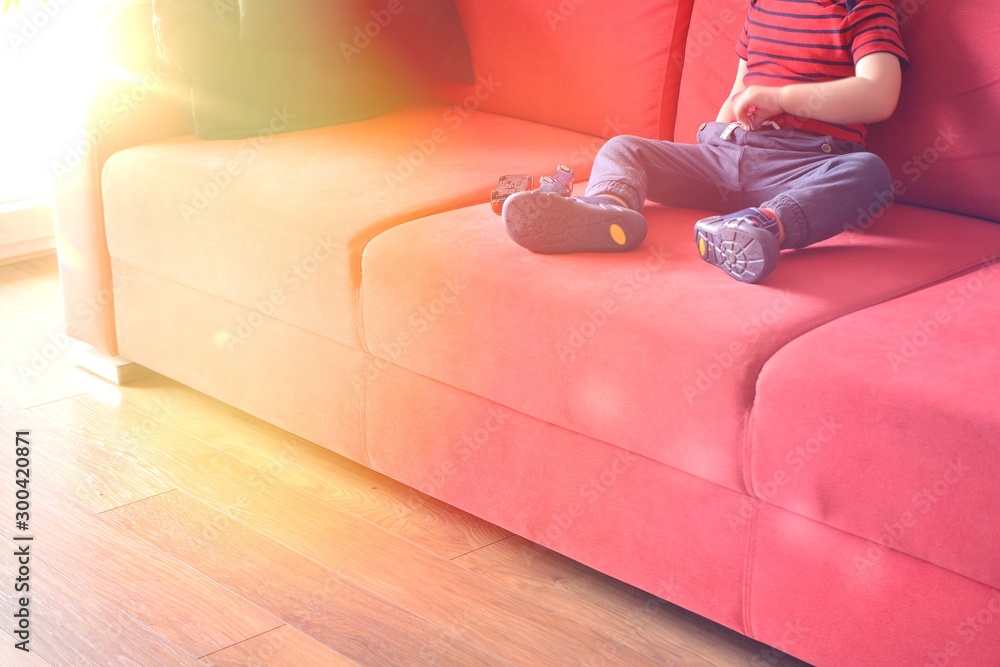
<point>702,247</point>
<point>617,234</point>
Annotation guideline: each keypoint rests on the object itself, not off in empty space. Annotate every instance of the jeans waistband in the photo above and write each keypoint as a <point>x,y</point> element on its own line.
<point>732,127</point>
<point>771,135</point>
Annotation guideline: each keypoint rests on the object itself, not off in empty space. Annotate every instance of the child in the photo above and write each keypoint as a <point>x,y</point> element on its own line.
<point>786,151</point>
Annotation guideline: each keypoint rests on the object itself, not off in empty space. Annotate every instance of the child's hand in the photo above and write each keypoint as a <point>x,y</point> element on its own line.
<point>755,105</point>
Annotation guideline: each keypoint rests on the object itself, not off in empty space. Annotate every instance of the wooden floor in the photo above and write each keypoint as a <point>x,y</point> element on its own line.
<point>171,529</point>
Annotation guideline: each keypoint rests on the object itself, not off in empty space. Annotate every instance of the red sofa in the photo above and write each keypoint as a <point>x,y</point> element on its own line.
<point>808,461</point>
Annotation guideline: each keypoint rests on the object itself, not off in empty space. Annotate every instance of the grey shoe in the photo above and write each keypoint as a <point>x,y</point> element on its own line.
<point>545,222</point>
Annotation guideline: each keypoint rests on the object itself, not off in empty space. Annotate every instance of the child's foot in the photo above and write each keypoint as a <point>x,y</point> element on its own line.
<point>546,222</point>
<point>743,244</point>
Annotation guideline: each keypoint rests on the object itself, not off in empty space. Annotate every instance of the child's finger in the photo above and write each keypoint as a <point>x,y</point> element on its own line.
<point>740,110</point>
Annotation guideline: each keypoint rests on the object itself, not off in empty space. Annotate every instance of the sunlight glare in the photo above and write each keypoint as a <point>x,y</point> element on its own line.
<point>52,54</point>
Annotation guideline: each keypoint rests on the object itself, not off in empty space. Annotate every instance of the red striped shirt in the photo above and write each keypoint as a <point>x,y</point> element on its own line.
<point>809,41</point>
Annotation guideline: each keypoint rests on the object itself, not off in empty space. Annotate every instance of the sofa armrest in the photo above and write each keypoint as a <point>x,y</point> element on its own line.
<point>142,101</point>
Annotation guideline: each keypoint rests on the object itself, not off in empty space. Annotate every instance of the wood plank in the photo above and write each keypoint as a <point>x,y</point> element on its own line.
<point>26,279</point>
<point>500,621</point>
<point>9,655</point>
<point>70,625</point>
<point>282,647</point>
<point>176,602</point>
<point>394,506</point>
<point>89,474</point>
<point>648,624</point>
<point>44,266</point>
<point>334,610</point>
<point>38,357</point>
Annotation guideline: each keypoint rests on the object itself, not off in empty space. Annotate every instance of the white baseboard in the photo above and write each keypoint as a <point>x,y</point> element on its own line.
<point>26,229</point>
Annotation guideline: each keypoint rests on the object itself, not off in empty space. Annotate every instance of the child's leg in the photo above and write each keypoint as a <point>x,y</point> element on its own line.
<point>814,184</point>
<point>802,189</point>
<point>628,170</point>
<point>635,169</point>
<point>831,197</point>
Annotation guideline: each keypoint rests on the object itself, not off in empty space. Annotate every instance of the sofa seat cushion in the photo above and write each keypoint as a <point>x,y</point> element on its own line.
<point>278,223</point>
<point>886,424</point>
<point>653,350</point>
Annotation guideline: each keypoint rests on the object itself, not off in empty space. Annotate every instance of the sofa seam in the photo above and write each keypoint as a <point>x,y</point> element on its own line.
<point>903,291</point>
<point>199,290</point>
<point>541,420</point>
<point>359,305</point>
<point>748,564</point>
<point>748,446</point>
<point>894,550</point>
<point>97,177</point>
<point>363,411</point>
<point>681,34</point>
<point>756,503</point>
<point>748,568</point>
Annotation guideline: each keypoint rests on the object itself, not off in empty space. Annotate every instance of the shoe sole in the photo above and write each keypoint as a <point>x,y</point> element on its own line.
<point>741,253</point>
<point>549,223</point>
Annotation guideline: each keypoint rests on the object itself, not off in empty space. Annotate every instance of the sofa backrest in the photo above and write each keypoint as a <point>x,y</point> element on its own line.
<point>710,63</point>
<point>597,67</point>
<point>942,143</point>
<point>939,144</point>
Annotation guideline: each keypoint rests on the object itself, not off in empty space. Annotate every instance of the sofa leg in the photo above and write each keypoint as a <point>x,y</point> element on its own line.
<point>113,369</point>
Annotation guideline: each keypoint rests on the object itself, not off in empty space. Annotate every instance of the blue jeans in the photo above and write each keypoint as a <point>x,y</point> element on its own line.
<point>815,184</point>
